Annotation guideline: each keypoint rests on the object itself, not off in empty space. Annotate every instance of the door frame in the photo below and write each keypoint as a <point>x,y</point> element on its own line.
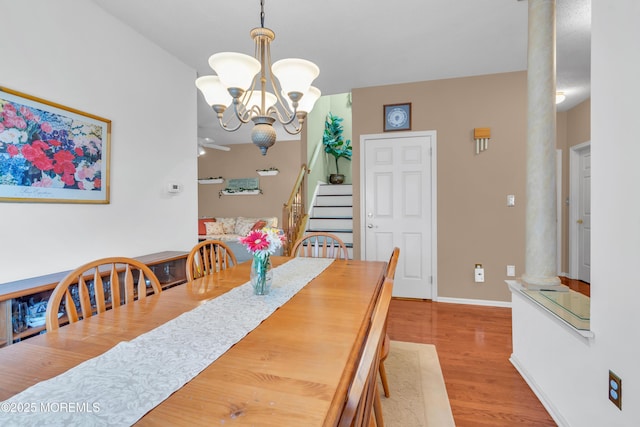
<point>433,202</point>
<point>559,211</point>
<point>575,153</point>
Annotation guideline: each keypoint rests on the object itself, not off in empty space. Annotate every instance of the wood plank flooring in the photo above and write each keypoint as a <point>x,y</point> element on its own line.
<point>474,345</point>
<point>577,285</point>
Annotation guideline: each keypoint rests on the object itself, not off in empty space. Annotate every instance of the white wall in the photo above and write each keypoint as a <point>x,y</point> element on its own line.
<point>75,54</point>
<point>571,374</point>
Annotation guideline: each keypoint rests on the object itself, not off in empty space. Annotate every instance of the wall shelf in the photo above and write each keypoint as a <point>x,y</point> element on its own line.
<point>240,193</point>
<point>211,181</point>
<point>270,172</point>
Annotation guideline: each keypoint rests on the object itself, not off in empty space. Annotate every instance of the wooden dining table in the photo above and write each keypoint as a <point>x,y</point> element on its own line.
<point>293,369</point>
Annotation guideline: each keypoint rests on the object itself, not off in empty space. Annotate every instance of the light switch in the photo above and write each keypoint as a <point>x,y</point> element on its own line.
<point>511,200</point>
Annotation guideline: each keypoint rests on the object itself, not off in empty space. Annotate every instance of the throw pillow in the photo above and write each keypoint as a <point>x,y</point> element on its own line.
<point>214,228</point>
<point>259,225</point>
<point>244,225</point>
<point>272,221</point>
<point>229,224</point>
<point>202,228</point>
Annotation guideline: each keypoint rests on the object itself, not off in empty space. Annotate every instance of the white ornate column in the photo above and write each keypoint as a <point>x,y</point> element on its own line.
<point>541,228</point>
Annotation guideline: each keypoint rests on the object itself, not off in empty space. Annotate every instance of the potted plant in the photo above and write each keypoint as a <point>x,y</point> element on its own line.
<point>335,145</point>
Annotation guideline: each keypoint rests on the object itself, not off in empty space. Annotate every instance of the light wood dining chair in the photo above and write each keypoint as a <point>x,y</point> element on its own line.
<point>320,245</point>
<point>362,407</point>
<point>390,273</point>
<point>98,286</point>
<point>209,257</point>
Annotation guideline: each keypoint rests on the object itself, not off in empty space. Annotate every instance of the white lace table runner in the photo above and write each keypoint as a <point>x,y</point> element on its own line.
<point>121,385</point>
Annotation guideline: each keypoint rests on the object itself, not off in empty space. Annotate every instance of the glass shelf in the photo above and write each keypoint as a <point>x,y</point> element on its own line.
<point>571,306</point>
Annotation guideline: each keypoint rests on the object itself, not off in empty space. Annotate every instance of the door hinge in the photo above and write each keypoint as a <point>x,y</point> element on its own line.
<point>431,280</point>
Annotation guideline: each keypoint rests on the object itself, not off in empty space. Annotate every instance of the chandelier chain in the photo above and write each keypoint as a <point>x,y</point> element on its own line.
<point>262,13</point>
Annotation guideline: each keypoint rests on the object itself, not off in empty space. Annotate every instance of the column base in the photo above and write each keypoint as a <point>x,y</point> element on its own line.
<point>542,283</point>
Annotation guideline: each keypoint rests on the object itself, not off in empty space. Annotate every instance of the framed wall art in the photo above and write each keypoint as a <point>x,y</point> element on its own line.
<point>397,117</point>
<point>51,153</point>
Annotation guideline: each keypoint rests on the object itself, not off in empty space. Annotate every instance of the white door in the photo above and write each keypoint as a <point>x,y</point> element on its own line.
<point>581,212</point>
<point>398,207</point>
<point>584,217</point>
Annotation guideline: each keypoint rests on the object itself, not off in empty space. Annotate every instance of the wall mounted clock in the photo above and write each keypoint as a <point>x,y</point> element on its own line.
<point>397,117</point>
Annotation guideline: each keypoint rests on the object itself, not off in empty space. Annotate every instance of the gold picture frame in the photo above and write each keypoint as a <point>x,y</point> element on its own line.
<point>51,153</point>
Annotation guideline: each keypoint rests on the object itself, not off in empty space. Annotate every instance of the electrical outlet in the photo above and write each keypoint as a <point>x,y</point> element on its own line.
<point>615,390</point>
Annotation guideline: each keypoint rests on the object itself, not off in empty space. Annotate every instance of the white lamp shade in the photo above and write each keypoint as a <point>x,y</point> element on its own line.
<point>235,70</point>
<point>295,75</point>
<point>560,97</point>
<point>309,99</point>
<point>213,90</point>
<point>256,99</point>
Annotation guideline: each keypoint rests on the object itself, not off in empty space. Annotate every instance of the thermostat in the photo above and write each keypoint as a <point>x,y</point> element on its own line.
<point>174,187</point>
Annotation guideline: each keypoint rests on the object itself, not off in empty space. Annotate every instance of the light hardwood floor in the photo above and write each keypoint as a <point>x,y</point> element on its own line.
<point>474,345</point>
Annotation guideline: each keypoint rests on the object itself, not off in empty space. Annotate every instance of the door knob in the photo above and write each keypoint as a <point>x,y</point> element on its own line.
<point>579,221</point>
<point>369,225</point>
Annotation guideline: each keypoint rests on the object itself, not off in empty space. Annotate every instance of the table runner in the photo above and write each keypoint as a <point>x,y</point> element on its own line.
<point>121,385</point>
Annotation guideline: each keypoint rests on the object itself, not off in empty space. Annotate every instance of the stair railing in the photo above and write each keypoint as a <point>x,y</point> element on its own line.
<point>294,215</point>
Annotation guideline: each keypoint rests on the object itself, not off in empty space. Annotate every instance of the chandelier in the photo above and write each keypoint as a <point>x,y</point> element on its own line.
<point>244,82</point>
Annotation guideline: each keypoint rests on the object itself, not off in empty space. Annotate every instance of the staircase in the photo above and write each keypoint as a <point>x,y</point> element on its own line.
<point>332,212</point>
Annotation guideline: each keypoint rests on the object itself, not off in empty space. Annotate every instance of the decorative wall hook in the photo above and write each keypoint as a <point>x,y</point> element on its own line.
<point>481,136</point>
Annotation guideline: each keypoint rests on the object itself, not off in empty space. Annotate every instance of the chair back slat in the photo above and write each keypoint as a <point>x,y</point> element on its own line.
<point>142,286</point>
<point>128,285</point>
<point>85,300</point>
<point>91,298</point>
<point>115,288</point>
<point>98,289</point>
<point>72,313</point>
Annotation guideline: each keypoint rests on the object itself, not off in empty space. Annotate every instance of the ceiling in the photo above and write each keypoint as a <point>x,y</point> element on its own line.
<point>362,43</point>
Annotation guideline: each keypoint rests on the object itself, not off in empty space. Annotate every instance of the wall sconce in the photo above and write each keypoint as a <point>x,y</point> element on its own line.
<point>481,136</point>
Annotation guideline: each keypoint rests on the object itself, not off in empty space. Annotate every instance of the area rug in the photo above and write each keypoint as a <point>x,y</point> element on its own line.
<point>416,385</point>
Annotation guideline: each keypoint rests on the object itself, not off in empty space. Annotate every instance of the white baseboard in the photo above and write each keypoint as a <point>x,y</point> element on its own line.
<point>489,303</point>
<point>542,397</point>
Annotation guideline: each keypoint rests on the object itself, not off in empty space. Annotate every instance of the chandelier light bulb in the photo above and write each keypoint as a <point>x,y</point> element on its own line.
<point>255,99</point>
<point>215,93</point>
<point>309,99</point>
<point>236,70</point>
<point>295,75</point>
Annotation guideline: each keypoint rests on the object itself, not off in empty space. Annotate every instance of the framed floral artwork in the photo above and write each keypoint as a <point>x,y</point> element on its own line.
<point>51,153</point>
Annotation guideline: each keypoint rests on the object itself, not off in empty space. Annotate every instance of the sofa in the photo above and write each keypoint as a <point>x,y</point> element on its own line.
<point>230,229</point>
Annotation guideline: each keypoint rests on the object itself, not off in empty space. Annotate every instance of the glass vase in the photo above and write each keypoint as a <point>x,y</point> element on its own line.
<point>261,274</point>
